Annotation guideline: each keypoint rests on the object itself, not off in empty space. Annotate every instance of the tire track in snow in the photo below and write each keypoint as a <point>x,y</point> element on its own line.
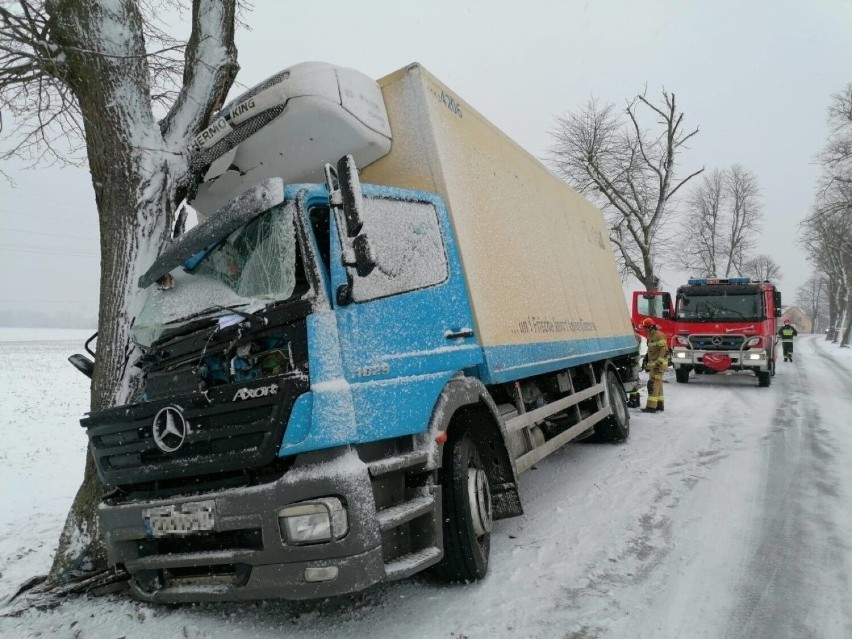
<point>646,551</point>
<point>789,589</point>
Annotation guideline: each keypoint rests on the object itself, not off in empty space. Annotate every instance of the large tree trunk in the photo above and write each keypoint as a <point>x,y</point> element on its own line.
<point>140,172</point>
<point>130,175</point>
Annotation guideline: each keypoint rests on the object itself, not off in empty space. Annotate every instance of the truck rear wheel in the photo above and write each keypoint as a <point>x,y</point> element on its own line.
<point>467,511</point>
<point>682,375</point>
<point>616,427</point>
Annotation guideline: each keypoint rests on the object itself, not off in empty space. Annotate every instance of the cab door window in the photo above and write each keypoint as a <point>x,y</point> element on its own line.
<point>407,246</point>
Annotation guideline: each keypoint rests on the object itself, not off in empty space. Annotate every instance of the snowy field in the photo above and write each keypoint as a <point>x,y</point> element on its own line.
<point>726,516</point>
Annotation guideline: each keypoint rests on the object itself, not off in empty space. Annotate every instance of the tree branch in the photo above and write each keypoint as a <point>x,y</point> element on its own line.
<point>210,66</point>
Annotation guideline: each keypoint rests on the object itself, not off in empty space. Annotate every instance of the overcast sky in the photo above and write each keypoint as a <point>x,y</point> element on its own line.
<point>754,76</point>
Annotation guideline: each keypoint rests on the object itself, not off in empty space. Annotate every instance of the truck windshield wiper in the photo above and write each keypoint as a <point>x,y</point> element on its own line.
<point>196,321</point>
<point>251,317</point>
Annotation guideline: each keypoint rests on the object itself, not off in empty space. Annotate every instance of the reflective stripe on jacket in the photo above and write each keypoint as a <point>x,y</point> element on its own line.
<point>787,333</point>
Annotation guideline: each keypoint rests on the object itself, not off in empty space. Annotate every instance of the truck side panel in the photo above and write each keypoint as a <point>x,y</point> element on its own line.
<point>543,284</point>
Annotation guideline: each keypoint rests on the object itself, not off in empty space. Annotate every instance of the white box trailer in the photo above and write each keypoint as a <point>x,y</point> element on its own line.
<point>541,274</point>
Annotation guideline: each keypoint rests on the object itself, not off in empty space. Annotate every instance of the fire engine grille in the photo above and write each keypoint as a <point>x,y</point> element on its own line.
<point>716,342</point>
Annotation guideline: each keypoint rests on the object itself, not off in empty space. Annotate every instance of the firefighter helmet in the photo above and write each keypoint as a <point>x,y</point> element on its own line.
<point>787,320</point>
<point>647,323</point>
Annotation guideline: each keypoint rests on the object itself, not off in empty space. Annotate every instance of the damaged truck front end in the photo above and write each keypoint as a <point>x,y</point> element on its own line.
<point>249,467</point>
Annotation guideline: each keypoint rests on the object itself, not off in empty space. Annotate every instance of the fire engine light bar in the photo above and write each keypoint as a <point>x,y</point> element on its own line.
<point>701,281</point>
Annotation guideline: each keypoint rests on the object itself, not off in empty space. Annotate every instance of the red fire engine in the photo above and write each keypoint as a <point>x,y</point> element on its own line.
<point>716,325</point>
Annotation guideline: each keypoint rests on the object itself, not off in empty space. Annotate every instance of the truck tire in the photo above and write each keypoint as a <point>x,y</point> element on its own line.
<point>616,427</point>
<point>764,378</point>
<point>467,511</point>
<point>682,375</point>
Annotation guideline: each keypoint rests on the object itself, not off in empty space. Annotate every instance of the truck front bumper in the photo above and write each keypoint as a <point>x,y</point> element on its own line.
<point>752,359</point>
<point>244,556</point>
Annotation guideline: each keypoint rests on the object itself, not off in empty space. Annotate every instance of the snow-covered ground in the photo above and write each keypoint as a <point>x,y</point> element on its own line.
<point>726,516</point>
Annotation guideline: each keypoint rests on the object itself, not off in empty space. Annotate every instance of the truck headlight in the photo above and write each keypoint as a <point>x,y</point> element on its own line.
<point>680,355</point>
<point>755,356</point>
<point>313,522</point>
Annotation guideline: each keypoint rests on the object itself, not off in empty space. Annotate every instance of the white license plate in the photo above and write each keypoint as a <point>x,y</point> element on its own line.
<point>179,519</point>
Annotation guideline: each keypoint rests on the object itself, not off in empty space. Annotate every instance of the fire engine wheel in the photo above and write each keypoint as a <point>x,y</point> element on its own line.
<point>467,512</point>
<point>616,427</point>
<point>764,378</point>
<point>682,375</point>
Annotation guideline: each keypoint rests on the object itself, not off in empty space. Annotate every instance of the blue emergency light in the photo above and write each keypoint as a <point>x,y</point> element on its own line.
<point>701,281</point>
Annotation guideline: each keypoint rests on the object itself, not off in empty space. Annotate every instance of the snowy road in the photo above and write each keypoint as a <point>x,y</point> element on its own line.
<point>726,516</point>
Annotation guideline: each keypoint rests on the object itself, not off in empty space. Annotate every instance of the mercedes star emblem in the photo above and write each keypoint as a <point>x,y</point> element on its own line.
<point>169,429</point>
<point>717,340</point>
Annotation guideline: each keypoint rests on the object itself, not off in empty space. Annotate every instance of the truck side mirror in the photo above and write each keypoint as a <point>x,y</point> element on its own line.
<point>365,262</point>
<point>777,296</point>
<point>666,313</point>
<point>350,191</point>
<point>348,198</point>
<point>82,364</point>
<point>343,294</point>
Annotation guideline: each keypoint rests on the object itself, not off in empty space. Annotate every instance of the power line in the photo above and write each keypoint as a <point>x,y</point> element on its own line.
<point>48,301</point>
<point>45,200</point>
<point>41,217</point>
<point>75,237</point>
<point>44,250</point>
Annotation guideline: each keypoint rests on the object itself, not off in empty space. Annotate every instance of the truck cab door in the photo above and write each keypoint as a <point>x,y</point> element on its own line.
<point>658,306</point>
<point>405,327</point>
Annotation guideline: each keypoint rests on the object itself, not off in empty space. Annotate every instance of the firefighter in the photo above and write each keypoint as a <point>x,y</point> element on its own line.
<point>787,333</point>
<point>658,361</point>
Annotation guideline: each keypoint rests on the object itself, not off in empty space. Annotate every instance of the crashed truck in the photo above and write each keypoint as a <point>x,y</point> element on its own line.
<point>345,376</point>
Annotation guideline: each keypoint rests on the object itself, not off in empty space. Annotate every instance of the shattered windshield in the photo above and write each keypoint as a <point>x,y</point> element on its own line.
<point>254,265</point>
<point>712,308</point>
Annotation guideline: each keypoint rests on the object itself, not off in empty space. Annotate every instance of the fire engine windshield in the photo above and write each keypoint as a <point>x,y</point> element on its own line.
<point>253,266</point>
<point>705,305</point>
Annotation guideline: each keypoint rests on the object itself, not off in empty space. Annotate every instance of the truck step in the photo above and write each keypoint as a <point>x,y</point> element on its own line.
<point>397,462</point>
<point>406,511</point>
<point>407,565</point>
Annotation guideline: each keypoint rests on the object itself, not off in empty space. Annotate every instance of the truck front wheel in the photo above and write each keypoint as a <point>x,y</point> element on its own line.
<point>682,375</point>
<point>467,511</point>
<point>764,378</point>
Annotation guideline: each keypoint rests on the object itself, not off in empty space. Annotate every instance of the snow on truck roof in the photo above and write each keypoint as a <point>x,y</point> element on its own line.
<point>289,126</point>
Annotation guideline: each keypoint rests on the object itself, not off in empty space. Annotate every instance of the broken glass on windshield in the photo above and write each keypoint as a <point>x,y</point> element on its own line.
<point>251,267</point>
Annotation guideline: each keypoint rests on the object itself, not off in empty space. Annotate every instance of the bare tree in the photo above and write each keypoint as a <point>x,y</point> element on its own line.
<point>827,236</point>
<point>812,297</point>
<point>702,230</point>
<point>628,170</point>
<point>745,217</point>
<point>836,157</point>
<point>101,67</point>
<point>760,268</point>
<point>722,218</point>
<point>828,230</point>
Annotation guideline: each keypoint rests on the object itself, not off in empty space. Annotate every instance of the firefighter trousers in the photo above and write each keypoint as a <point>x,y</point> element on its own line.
<point>655,393</point>
<point>788,350</point>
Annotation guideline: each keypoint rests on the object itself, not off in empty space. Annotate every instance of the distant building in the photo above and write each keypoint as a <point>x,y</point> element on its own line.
<point>798,318</point>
